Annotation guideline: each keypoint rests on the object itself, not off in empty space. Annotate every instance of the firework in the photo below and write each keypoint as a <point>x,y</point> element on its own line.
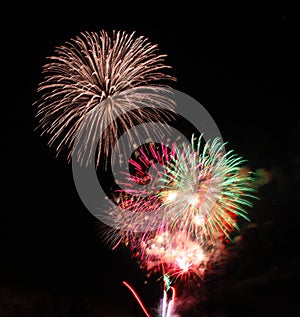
<point>92,87</point>
<point>201,192</point>
<point>205,190</point>
<point>137,200</point>
<point>198,196</point>
<point>176,254</point>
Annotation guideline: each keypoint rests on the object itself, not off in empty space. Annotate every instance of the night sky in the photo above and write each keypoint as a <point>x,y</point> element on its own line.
<point>245,71</point>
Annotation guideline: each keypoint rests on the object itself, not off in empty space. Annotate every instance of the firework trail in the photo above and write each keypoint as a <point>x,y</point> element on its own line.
<point>93,86</point>
<point>137,298</point>
<point>166,308</point>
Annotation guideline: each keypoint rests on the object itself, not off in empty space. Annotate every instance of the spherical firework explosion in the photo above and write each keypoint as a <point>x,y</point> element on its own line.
<point>91,81</point>
<point>204,191</point>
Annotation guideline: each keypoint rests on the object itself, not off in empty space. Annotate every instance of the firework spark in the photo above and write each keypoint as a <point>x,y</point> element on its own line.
<point>90,87</point>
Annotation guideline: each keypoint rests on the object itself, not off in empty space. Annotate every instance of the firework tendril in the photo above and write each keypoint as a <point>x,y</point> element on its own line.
<point>91,80</point>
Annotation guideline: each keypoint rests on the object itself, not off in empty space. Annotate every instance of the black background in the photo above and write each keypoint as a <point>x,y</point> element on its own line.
<point>244,69</point>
